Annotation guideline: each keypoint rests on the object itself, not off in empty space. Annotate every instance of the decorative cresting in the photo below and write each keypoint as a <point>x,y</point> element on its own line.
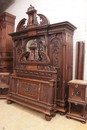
<point>34,19</point>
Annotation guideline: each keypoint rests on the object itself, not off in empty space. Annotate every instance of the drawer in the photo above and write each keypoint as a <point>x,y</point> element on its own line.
<point>77,91</point>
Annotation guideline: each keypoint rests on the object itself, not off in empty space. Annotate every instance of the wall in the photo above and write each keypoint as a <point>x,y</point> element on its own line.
<point>73,11</point>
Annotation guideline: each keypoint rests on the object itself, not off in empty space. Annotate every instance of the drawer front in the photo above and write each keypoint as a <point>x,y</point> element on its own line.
<point>77,92</point>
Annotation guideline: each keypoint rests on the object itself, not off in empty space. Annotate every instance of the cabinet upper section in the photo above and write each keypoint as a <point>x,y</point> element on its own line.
<point>40,44</point>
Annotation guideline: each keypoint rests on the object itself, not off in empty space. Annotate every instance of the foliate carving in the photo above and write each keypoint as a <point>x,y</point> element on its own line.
<point>15,44</point>
<point>28,89</point>
<point>76,92</point>
<point>19,51</point>
<point>59,37</point>
<point>55,54</point>
<point>55,43</point>
<point>47,68</point>
<point>56,46</point>
<point>43,19</point>
<point>21,25</point>
<point>35,73</point>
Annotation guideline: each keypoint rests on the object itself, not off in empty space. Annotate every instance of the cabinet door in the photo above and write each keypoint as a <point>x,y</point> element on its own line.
<point>57,57</point>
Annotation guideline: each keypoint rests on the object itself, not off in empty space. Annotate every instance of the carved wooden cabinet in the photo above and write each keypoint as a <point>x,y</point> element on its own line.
<point>77,100</point>
<point>60,49</point>
<point>4,84</point>
<point>42,63</point>
<point>7,22</point>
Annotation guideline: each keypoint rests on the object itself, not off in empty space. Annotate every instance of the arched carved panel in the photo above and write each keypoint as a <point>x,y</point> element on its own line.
<point>55,48</point>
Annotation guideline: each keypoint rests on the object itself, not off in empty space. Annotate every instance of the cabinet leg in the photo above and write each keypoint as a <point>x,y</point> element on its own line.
<point>62,114</point>
<point>68,117</point>
<point>54,114</point>
<point>9,102</point>
<point>48,117</point>
<point>83,122</point>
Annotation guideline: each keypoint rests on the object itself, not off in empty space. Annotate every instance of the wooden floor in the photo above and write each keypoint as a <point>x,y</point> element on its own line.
<point>17,117</point>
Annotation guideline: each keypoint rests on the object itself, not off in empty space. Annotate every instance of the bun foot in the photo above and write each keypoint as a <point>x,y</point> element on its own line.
<point>83,122</point>
<point>48,118</point>
<point>9,102</point>
<point>54,114</point>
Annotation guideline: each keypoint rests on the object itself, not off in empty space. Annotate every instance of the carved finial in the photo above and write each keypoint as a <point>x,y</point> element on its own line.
<point>32,19</point>
<point>30,8</point>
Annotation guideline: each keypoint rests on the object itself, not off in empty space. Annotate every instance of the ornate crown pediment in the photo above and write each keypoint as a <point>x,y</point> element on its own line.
<point>32,19</point>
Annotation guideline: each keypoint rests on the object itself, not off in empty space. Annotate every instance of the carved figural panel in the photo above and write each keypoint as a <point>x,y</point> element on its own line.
<point>34,52</point>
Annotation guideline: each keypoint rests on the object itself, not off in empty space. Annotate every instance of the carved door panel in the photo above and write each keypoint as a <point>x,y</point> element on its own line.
<point>28,89</point>
<point>56,56</point>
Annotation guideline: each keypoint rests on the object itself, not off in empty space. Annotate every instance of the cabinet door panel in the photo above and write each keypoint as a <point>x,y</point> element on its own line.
<point>28,89</point>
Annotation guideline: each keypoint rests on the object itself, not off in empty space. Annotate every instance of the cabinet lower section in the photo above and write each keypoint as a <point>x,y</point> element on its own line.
<point>4,84</point>
<point>77,111</point>
<point>35,94</point>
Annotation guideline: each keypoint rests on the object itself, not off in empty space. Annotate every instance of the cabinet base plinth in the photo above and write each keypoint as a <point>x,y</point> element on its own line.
<point>76,117</point>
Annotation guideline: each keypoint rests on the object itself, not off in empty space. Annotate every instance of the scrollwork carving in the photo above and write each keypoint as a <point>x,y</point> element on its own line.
<point>34,52</point>
<point>76,92</point>
<point>55,45</point>
<point>43,19</point>
<point>21,25</point>
<point>28,89</point>
<point>32,19</point>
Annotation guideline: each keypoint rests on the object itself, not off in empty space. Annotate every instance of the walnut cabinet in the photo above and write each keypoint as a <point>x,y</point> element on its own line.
<point>43,58</point>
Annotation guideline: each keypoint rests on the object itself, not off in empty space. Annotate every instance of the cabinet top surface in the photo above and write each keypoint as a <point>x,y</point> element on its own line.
<point>76,81</point>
